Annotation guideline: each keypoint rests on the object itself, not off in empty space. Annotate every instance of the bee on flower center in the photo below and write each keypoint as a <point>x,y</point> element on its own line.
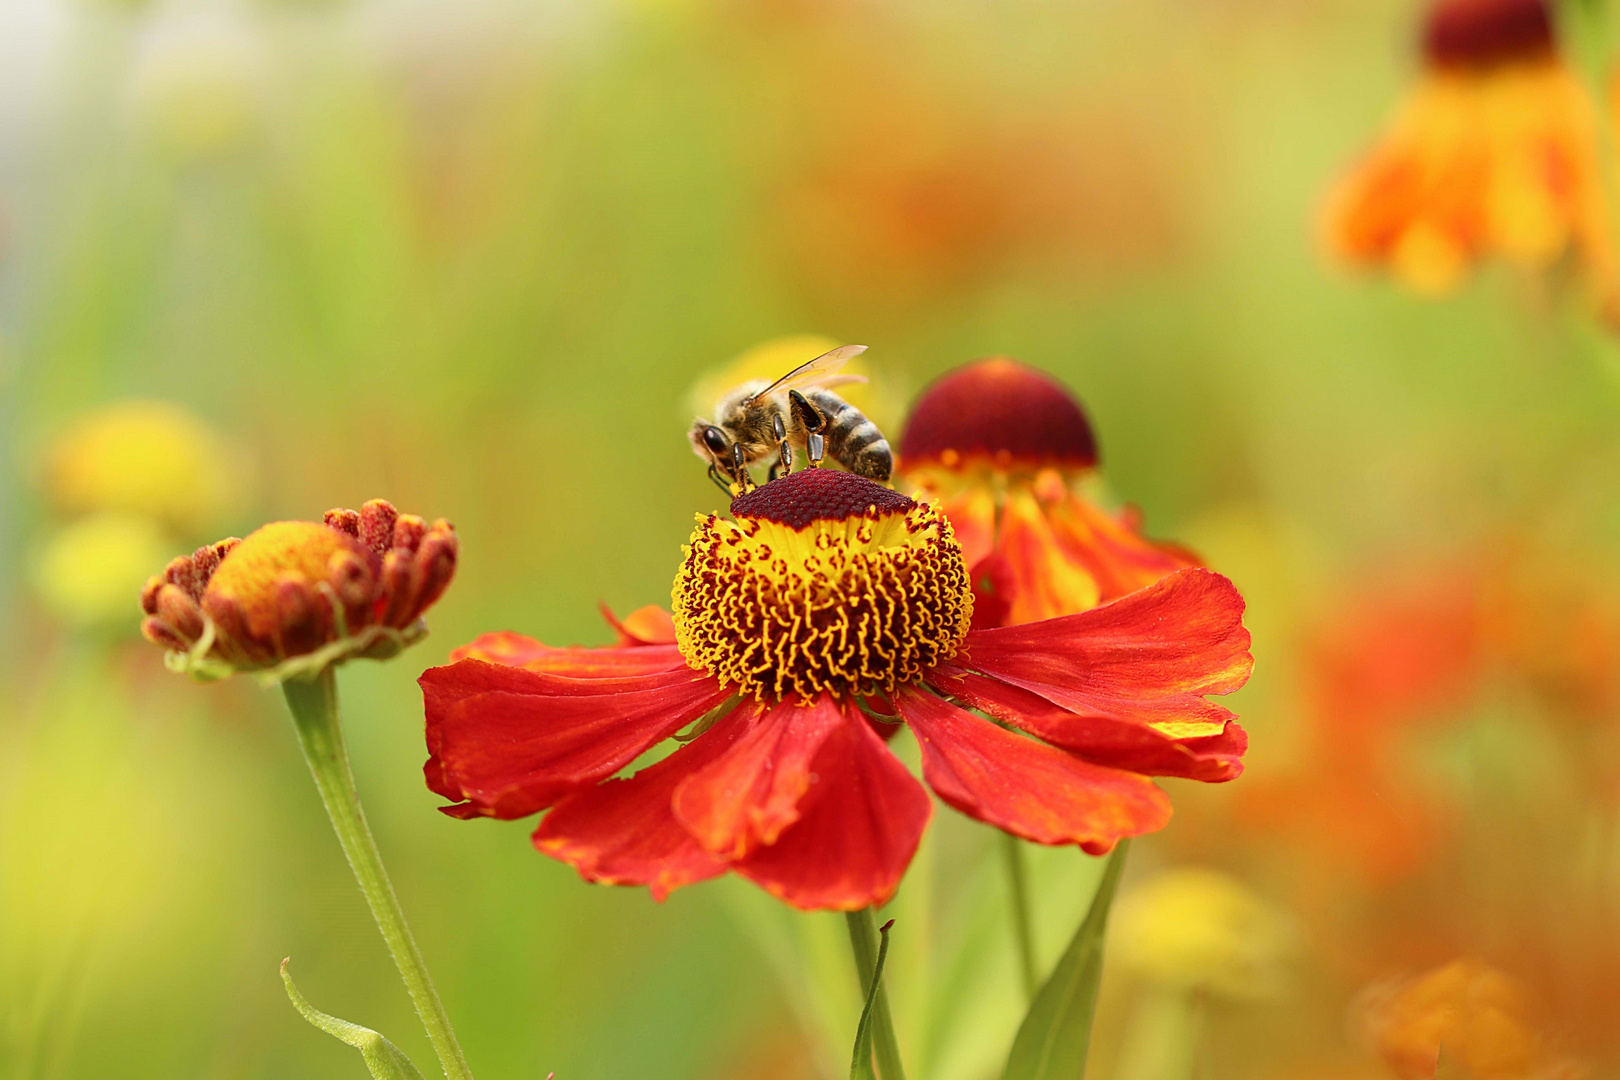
<point>800,412</point>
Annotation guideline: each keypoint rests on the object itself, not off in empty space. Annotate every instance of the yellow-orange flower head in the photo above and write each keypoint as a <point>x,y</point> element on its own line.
<point>825,581</point>
<point>1493,153</point>
<point>296,596</point>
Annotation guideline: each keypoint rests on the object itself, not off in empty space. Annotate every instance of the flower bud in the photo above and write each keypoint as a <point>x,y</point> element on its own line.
<point>295,596</point>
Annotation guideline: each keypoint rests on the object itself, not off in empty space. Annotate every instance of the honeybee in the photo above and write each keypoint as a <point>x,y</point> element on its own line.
<point>799,410</point>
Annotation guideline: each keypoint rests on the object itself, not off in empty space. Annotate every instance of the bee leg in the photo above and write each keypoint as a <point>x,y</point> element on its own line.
<point>739,469</point>
<point>779,429</point>
<point>810,418</point>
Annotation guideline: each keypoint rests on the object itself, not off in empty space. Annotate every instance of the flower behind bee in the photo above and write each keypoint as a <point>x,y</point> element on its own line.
<point>295,596</point>
<point>1494,152</point>
<point>1006,450</point>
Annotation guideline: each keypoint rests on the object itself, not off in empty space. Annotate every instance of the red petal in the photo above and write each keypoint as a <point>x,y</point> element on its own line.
<point>1123,744</point>
<point>576,661</point>
<point>744,799</point>
<point>650,625</point>
<point>1148,657</point>
<point>1028,788</point>
<point>623,832</point>
<point>512,741</point>
<point>858,828</point>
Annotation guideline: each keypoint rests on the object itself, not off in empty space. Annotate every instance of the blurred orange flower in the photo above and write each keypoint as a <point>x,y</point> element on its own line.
<point>1005,449</point>
<point>1466,1018</point>
<point>1494,152</point>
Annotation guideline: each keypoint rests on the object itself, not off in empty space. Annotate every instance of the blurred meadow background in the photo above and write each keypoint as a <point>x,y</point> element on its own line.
<point>262,258</point>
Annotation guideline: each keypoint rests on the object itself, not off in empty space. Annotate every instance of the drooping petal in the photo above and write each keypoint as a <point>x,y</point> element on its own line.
<point>576,661</point>
<point>1112,549</point>
<point>858,828</point>
<point>1106,740</point>
<point>510,741</point>
<point>624,832</point>
<point>745,798</point>
<point>1047,580</point>
<point>1149,657</point>
<point>1025,787</point>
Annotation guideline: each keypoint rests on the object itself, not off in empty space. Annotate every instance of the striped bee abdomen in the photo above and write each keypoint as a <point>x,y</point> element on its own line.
<point>852,440</point>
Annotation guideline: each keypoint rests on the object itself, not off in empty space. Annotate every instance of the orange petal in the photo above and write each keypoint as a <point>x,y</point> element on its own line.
<point>575,661</point>
<point>650,625</point>
<point>1046,580</point>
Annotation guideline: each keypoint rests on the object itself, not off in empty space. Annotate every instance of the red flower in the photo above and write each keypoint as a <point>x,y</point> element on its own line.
<point>828,611</point>
<point>1006,448</point>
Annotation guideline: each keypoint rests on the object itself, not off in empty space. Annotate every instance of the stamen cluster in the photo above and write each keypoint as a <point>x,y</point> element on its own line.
<point>355,584</point>
<point>825,581</point>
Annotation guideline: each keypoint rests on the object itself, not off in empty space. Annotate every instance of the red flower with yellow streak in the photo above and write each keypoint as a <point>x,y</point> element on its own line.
<point>828,610</point>
<point>1495,152</point>
<point>1006,450</point>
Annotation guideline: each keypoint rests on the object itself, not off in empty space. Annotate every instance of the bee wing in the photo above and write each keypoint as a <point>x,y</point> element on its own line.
<point>822,371</point>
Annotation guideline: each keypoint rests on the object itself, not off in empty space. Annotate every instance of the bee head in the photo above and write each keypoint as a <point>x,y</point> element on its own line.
<point>710,442</point>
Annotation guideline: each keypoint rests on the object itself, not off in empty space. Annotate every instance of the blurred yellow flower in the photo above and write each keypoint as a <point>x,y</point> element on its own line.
<point>1494,152</point>
<point>193,90</point>
<point>1465,1013</point>
<point>145,457</point>
<point>1197,928</point>
<point>87,572</point>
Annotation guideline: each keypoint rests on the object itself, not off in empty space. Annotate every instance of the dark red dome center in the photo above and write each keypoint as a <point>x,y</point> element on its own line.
<point>810,495</point>
<point>1001,410</point>
<point>1481,33</point>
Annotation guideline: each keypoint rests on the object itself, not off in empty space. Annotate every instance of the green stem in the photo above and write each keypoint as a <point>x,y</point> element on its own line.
<point>863,941</point>
<point>1023,924</point>
<point>314,707</point>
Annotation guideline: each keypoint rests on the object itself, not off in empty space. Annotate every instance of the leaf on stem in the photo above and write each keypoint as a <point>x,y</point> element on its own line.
<point>860,1067</point>
<point>385,1060</point>
<point>1055,1036</point>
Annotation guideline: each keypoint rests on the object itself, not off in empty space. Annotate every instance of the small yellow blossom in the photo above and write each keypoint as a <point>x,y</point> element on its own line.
<point>1197,928</point>
<point>86,572</point>
<point>144,457</point>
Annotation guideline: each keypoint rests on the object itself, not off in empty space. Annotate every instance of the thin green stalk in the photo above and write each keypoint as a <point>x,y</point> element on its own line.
<point>1023,924</point>
<point>863,941</point>
<point>314,707</point>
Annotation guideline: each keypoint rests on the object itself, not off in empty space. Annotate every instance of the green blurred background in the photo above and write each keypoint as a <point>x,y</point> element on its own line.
<point>471,257</point>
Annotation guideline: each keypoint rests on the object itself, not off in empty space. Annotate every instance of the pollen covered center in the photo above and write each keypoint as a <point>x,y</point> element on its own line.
<point>857,589</point>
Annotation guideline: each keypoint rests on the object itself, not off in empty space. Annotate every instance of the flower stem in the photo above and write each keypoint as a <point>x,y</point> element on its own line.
<point>1023,926</point>
<point>314,707</point>
<point>863,941</point>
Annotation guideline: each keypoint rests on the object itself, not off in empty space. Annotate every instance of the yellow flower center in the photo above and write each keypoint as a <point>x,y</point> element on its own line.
<point>826,581</point>
<point>255,568</point>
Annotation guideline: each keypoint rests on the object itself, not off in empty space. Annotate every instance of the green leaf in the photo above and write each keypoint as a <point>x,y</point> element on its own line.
<point>385,1060</point>
<point>1056,1033</point>
<point>860,1067</point>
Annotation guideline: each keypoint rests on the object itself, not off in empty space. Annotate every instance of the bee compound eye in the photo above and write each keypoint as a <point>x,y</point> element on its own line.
<point>714,439</point>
